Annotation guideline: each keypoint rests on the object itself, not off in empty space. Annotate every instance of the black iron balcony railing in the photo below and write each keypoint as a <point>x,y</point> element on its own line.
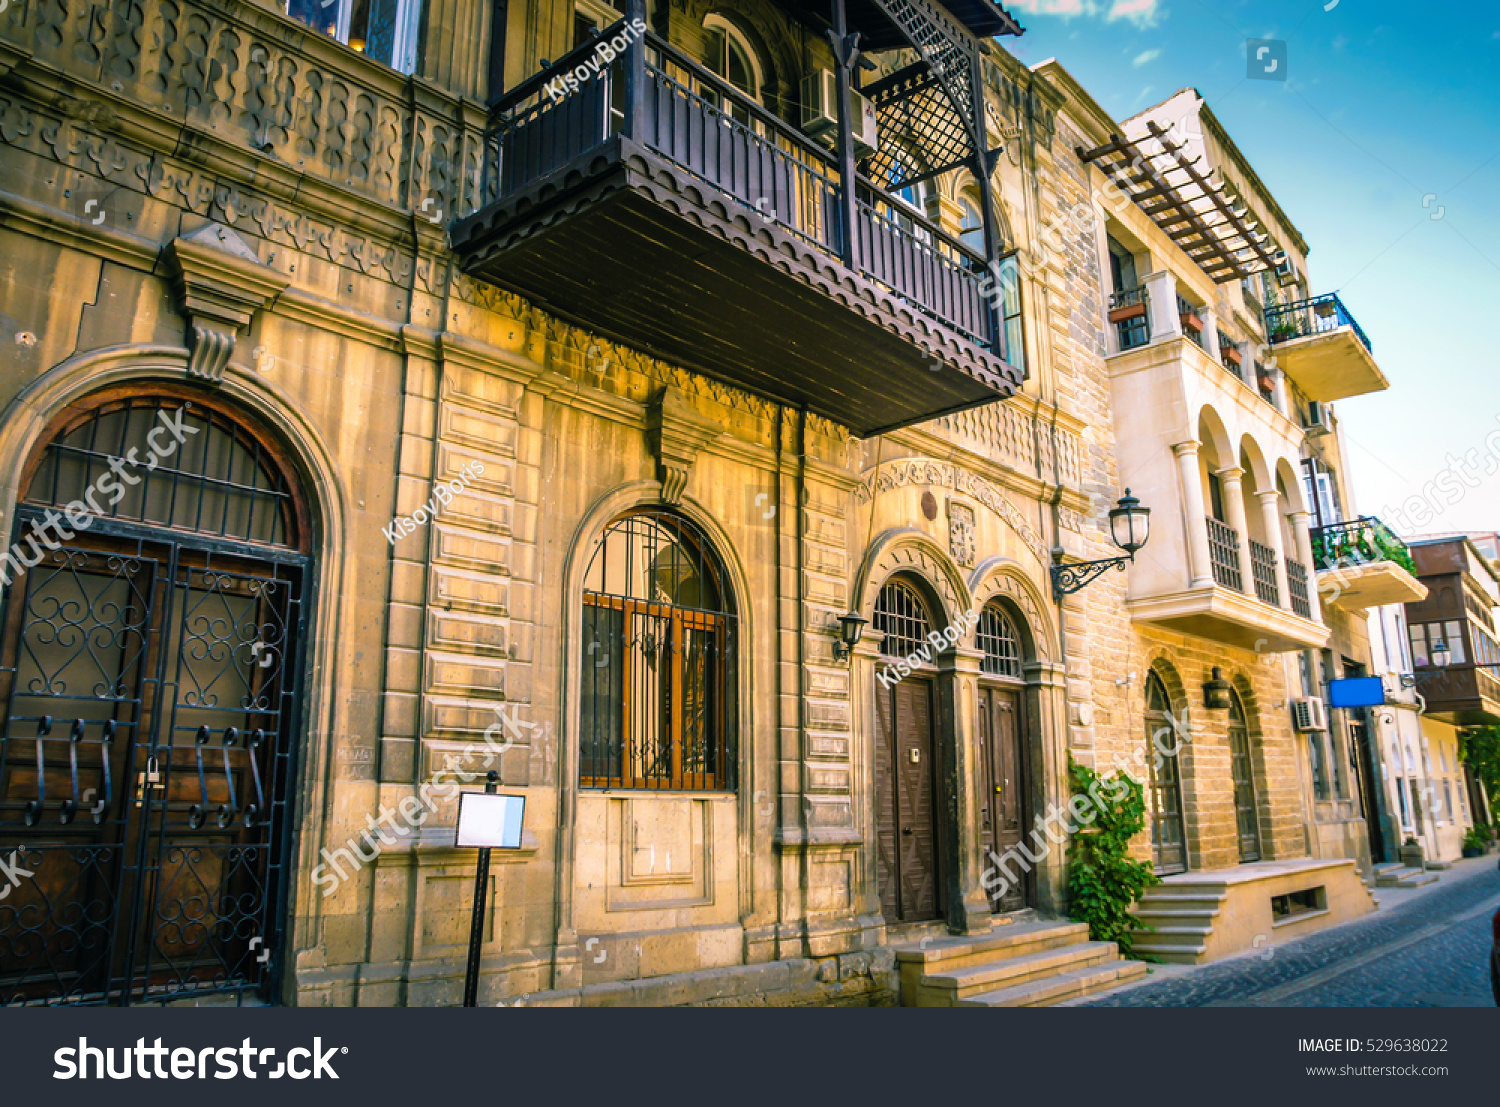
<point>1319,315</point>
<point>720,136</point>
<point>1224,554</point>
<point>1362,541</point>
<point>1230,356</point>
<point>1296,585</point>
<point>1263,571</point>
<point>1191,317</point>
<point>1130,312</point>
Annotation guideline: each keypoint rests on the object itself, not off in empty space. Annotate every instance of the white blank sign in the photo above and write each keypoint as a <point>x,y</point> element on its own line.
<point>490,822</point>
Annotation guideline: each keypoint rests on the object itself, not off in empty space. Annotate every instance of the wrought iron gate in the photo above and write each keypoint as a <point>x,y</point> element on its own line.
<point>149,691</point>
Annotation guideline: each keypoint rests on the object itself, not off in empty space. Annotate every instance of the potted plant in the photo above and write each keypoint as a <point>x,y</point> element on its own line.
<point>1232,353</point>
<point>1283,331</point>
<point>1411,854</point>
<point>1476,841</point>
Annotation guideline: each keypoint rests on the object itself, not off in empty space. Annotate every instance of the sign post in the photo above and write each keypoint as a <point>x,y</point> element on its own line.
<point>487,821</point>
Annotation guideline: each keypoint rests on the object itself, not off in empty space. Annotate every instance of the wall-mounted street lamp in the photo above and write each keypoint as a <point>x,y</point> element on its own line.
<point>1216,692</point>
<point>851,626</point>
<point>1129,527</point>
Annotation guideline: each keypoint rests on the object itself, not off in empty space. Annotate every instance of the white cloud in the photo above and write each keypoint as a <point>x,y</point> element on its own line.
<point>1142,13</point>
<point>1144,57</point>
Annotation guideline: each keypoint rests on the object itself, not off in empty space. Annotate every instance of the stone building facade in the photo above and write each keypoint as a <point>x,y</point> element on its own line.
<point>422,525</point>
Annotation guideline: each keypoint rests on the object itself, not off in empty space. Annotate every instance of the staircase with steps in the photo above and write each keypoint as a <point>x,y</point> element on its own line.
<point>1395,875</point>
<point>1023,962</point>
<point>1182,919</point>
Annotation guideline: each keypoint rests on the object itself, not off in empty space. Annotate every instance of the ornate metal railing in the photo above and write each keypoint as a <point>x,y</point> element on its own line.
<point>1285,322</point>
<point>1296,585</point>
<point>1361,541</point>
<point>1130,312</point>
<point>708,127</point>
<point>1263,572</point>
<point>1224,554</point>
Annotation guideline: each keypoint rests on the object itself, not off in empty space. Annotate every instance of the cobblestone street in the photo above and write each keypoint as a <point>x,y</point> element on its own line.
<point>1419,950</point>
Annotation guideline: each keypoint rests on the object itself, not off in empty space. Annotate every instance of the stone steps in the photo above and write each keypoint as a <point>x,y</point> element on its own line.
<point>1029,963</point>
<point>1056,989</point>
<point>1182,918</point>
<point>1399,876</point>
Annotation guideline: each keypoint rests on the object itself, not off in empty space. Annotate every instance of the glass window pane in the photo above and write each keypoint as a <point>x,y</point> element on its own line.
<point>1454,636</point>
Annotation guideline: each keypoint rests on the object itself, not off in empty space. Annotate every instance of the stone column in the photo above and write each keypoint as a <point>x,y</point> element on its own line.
<point>1161,296</point>
<point>1303,538</point>
<point>1200,569</point>
<point>1269,509</point>
<point>958,753</point>
<point>1234,506</point>
<point>1211,333</point>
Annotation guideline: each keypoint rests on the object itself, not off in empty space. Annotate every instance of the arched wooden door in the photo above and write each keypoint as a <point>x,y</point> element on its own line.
<point>157,593</point>
<point>1247,811</point>
<point>1168,840</point>
<point>908,832</point>
<point>1004,802</point>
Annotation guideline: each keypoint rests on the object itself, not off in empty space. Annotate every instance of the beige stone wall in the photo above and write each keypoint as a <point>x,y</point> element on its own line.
<point>383,370</point>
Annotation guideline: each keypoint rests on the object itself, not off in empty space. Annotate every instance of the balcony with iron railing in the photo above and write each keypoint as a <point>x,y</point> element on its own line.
<point>1238,591</point>
<point>1323,349</point>
<point>660,206</point>
<point>1361,563</point>
<point>1129,312</point>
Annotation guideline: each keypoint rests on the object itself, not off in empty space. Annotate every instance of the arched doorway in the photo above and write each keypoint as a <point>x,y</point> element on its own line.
<point>1246,810</point>
<point>908,832</point>
<point>1003,772</point>
<point>150,668</point>
<point>1168,841</point>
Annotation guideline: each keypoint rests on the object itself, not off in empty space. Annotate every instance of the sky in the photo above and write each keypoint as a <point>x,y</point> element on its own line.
<point>1383,148</point>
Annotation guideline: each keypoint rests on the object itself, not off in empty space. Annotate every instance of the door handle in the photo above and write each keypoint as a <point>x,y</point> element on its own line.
<point>906,830</point>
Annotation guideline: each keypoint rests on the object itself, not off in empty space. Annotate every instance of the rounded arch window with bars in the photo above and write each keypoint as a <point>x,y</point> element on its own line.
<point>1001,642</point>
<point>659,699</point>
<point>901,615</point>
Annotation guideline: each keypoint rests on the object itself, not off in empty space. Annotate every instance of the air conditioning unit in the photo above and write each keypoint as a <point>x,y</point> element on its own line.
<point>820,113</point>
<point>1286,269</point>
<point>1318,423</point>
<point>1309,714</point>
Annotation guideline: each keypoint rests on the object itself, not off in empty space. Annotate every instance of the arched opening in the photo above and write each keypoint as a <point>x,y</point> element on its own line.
<point>731,55</point>
<point>1004,766</point>
<point>1242,770</point>
<point>909,835</point>
<point>1165,736</point>
<point>659,700</point>
<point>150,683</point>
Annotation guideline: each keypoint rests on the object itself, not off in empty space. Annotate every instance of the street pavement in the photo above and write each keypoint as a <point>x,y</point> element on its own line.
<point>1426,948</point>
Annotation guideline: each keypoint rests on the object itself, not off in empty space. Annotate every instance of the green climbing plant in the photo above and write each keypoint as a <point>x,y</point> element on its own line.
<point>1104,882</point>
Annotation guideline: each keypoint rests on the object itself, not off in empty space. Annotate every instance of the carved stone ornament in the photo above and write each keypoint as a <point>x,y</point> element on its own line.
<point>961,541</point>
<point>219,284</point>
<point>675,432</point>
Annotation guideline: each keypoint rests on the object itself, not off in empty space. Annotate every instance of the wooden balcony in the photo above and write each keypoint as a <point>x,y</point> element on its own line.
<point>1323,349</point>
<point>1461,695</point>
<point>659,207</point>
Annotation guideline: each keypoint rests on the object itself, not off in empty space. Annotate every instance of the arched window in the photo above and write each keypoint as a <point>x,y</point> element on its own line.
<point>901,615</point>
<point>729,54</point>
<point>970,222</point>
<point>659,700</point>
<point>1163,732</point>
<point>169,462</point>
<point>998,639</point>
